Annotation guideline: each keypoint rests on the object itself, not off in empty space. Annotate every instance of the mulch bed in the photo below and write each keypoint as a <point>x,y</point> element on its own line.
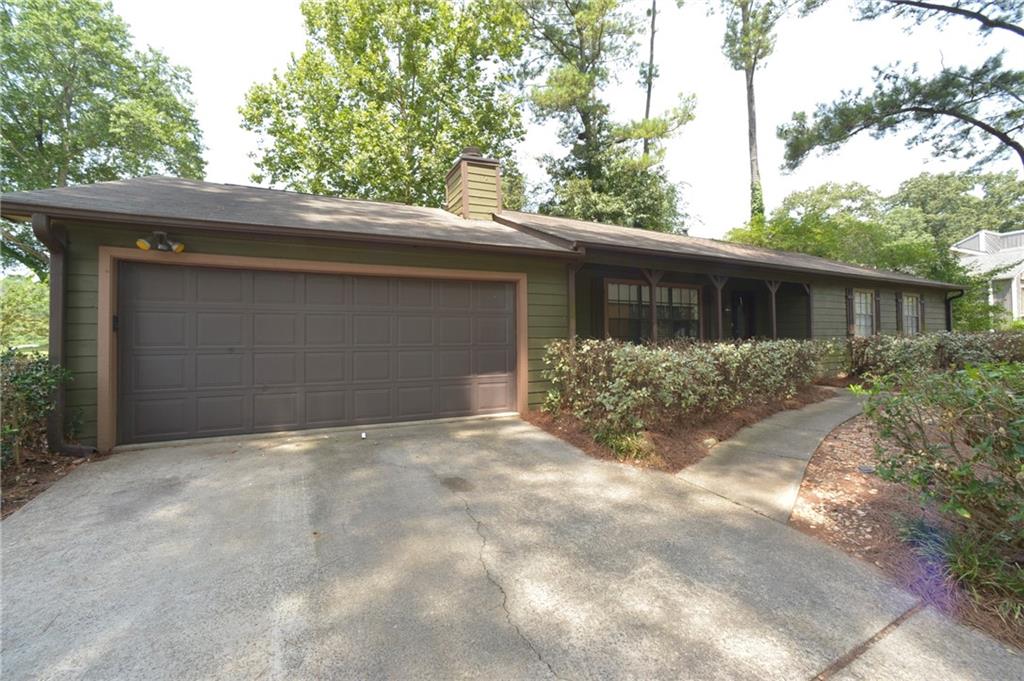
<point>682,445</point>
<point>844,503</point>
<point>38,470</point>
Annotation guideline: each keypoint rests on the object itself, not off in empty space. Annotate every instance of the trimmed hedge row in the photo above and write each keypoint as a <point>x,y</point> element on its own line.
<point>881,355</point>
<point>618,389</point>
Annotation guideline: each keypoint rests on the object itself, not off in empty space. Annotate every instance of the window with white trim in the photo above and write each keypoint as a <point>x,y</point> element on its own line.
<point>911,314</point>
<point>863,312</point>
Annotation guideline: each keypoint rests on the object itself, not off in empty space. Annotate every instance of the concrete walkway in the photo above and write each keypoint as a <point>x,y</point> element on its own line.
<point>761,467</point>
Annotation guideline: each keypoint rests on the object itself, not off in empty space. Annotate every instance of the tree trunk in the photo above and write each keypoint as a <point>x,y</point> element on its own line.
<point>650,74</point>
<point>756,198</point>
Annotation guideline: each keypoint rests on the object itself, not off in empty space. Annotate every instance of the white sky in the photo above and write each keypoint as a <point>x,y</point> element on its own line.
<point>231,44</point>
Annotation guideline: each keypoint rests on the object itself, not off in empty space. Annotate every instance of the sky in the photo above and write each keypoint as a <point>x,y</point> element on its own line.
<point>229,45</point>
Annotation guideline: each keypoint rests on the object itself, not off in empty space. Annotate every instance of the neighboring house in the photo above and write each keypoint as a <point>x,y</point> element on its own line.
<point>289,311</point>
<point>987,251</point>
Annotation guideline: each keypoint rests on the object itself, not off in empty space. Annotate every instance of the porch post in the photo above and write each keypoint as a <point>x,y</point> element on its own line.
<point>773,287</point>
<point>653,277</point>
<point>719,282</point>
<point>572,268</point>
<point>810,310</point>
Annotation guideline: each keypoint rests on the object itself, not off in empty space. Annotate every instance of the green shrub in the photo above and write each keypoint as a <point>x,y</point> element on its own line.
<point>883,354</point>
<point>957,438</point>
<point>28,385</point>
<point>618,389</point>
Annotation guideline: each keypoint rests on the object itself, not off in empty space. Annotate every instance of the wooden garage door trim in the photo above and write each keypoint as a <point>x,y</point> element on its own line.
<point>106,347</point>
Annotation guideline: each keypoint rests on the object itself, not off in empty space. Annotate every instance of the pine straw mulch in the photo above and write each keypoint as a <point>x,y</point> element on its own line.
<point>844,503</point>
<point>682,445</point>
<point>38,470</point>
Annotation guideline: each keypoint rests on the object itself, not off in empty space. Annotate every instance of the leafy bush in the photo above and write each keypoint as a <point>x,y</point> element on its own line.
<point>882,354</point>
<point>24,312</point>
<point>618,389</point>
<point>958,438</point>
<point>28,385</point>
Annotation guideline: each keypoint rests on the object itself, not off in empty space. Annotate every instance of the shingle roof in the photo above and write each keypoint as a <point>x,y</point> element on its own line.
<point>203,203</point>
<point>223,206</point>
<point>599,235</point>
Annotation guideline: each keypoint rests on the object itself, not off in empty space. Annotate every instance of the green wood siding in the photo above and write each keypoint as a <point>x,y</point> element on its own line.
<point>830,308</point>
<point>546,295</point>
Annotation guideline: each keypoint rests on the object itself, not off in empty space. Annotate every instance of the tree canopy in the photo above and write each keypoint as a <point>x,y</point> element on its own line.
<point>387,94</point>
<point>79,104</point>
<point>606,175</point>
<point>910,231</point>
<point>962,111</point>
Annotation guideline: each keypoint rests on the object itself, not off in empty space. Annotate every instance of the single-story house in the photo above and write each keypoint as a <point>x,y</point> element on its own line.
<point>188,309</point>
<point>1003,253</point>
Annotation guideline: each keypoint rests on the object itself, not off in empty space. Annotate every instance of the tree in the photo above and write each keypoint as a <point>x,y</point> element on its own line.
<point>749,40</point>
<point>79,104</point>
<point>386,95</point>
<point>962,112</point>
<point>910,231</point>
<point>606,175</point>
<point>24,312</point>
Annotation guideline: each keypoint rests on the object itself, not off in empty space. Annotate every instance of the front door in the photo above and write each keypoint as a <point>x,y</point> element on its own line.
<point>743,315</point>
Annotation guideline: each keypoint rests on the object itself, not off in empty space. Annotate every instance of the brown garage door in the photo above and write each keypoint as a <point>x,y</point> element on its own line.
<point>206,351</point>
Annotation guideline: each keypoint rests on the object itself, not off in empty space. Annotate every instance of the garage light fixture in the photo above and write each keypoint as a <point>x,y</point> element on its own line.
<point>161,242</point>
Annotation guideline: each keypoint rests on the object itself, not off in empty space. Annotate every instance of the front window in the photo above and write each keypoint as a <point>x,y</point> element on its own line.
<point>629,311</point>
<point>911,314</point>
<point>863,312</point>
<point>678,312</point>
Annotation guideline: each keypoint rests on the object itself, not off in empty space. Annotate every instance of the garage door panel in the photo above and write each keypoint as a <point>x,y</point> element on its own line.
<point>415,401</point>
<point>159,329</point>
<point>326,367</point>
<point>220,329</point>
<point>371,330</point>
<point>275,411</point>
<point>218,414</point>
<point>371,292</point>
<point>161,418</point>
<point>455,330</point>
<point>455,295</point>
<point>236,351</point>
<point>220,370</point>
<point>493,396</point>
<point>326,329</point>
<point>274,368</point>
<point>371,366</point>
<point>167,285</point>
<point>370,404</point>
<point>415,364</point>
<point>415,293</point>
<point>271,288</point>
<point>220,286</point>
<point>326,290</point>
<point>275,329</point>
<point>454,399</point>
<point>159,372</point>
<point>455,363</point>
<point>415,330</point>
<point>325,407</point>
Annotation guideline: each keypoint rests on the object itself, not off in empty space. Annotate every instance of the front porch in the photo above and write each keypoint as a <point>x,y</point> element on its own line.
<point>642,305</point>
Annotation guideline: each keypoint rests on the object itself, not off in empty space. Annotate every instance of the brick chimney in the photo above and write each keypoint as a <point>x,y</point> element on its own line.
<point>473,186</point>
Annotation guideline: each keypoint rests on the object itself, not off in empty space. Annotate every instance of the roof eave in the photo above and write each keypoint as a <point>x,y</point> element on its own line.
<point>14,211</point>
<point>592,246</point>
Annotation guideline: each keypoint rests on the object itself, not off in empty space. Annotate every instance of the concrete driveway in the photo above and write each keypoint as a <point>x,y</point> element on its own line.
<point>482,549</point>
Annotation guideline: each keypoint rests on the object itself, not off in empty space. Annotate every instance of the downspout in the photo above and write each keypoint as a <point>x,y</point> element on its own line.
<point>55,240</point>
<point>949,308</point>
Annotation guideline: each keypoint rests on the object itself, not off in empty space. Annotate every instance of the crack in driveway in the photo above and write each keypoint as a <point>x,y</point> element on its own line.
<point>504,594</point>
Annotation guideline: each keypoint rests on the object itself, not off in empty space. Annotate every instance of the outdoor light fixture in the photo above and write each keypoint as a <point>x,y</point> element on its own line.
<point>161,242</point>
